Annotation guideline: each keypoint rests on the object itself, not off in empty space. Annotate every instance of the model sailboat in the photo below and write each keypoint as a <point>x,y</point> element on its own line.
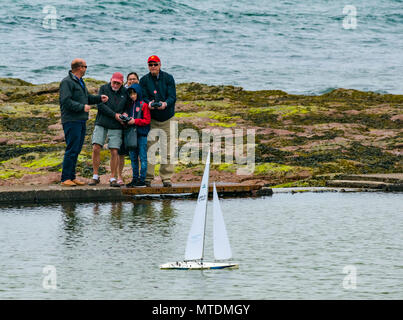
<point>195,244</point>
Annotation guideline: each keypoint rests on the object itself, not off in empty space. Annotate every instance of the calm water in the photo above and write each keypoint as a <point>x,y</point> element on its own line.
<point>288,246</point>
<point>296,46</point>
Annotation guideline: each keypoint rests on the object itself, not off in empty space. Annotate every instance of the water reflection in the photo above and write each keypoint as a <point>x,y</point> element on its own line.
<point>72,224</point>
<point>79,218</point>
<point>69,210</point>
<point>152,216</point>
<point>70,219</point>
<point>116,214</point>
<point>149,211</point>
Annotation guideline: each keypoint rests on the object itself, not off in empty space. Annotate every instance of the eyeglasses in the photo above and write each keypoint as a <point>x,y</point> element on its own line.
<point>84,67</point>
<point>153,64</point>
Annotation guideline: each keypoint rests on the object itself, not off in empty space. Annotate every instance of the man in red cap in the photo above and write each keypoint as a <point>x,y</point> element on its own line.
<point>108,127</point>
<point>159,92</point>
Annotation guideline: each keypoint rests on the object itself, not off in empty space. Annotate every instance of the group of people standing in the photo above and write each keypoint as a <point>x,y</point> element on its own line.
<point>147,103</point>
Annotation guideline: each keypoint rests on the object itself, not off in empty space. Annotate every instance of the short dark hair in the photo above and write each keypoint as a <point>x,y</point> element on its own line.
<point>76,65</point>
<point>137,76</point>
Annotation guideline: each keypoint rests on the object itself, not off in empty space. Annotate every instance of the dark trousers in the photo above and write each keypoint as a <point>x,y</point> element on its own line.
<point>74,134</point>
<point>140,153</point>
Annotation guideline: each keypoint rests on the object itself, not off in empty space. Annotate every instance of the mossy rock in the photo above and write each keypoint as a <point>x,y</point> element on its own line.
<point>13,82</point>
<point>222,124</point>
<point>13,151</point>
<point>26,124</point>
<point>266,153</point>
<point>43,161</point>
<point>272,168</point>
<point>12,173</point>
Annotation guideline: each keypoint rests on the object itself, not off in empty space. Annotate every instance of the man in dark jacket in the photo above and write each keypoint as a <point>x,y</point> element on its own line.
<point>159,86</point>
<point>75,104</point>
<point>108,126</point>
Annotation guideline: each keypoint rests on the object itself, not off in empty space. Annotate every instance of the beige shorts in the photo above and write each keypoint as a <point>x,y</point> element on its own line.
<point>112,136</point>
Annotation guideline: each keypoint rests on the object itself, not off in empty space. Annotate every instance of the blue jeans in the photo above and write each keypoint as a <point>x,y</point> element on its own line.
<point>140,153</point>
<point>74,134</point>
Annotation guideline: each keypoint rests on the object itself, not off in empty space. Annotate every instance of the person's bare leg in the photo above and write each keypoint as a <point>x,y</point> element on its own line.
<point>114,163</point>
<point>96,161</point>
<point>96,158</point>
<point>121,166</point>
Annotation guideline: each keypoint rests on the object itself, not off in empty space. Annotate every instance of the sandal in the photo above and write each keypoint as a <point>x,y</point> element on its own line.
<point>120,181</point>
<point>114,183</point>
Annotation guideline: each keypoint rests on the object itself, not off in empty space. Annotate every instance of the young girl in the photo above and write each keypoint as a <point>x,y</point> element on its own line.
<point>140,117</point>
<point>131,78</point>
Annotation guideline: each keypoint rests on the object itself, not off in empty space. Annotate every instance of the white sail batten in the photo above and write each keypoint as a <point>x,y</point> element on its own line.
<point>195,242</point>
<point>222,248</point>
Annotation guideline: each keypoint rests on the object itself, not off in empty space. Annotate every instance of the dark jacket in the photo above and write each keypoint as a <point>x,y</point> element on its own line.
<point>139,111</point>
<point>73,97</point>
<point>116,104</point>
<point>161,89</point>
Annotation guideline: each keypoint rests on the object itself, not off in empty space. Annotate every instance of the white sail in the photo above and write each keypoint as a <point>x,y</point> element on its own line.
<point>195,243</point>
<point>222,248</point>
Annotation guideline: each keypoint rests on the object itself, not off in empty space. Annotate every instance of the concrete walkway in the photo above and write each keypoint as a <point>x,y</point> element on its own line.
<point>56,193</point>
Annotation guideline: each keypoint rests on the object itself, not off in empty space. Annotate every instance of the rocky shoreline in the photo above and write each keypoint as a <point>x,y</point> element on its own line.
<point>301,141</point>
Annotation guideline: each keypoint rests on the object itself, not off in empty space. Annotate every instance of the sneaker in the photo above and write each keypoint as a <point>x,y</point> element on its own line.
<point>132,183</point>
<point>114,184</point>
<point>68,183</point>
<point>167,184</point>
<point>94,182</point>
<point>141,183</point>
<point>79,183</point>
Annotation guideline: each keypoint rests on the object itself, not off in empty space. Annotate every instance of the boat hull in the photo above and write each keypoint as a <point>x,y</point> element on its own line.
<point>197,265</point>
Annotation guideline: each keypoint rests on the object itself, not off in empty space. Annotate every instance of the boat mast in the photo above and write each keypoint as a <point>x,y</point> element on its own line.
<point>205,210</point>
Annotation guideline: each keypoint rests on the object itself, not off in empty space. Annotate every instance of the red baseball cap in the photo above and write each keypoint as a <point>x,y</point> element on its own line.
<point>153,58</point>
<point>117,76</point>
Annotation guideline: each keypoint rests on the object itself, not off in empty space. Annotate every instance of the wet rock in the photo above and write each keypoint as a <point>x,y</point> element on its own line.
<point>3,98</point>
<point>58,138</point>
<point>264,191</point>
<point>398,117</point>
<point>397,187</point>
<point>56,127</point>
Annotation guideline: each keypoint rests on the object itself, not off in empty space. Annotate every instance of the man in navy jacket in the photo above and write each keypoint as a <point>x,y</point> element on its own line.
<point>159,86</point>
<point>75,104</point>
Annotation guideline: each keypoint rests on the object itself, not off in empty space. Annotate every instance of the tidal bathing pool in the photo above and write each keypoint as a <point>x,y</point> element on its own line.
<point>288,246</point>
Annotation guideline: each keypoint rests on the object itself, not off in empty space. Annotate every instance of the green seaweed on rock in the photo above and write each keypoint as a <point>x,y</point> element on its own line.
<point>336,132</point>
<point>26,124</point>
<point>13,151</point>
